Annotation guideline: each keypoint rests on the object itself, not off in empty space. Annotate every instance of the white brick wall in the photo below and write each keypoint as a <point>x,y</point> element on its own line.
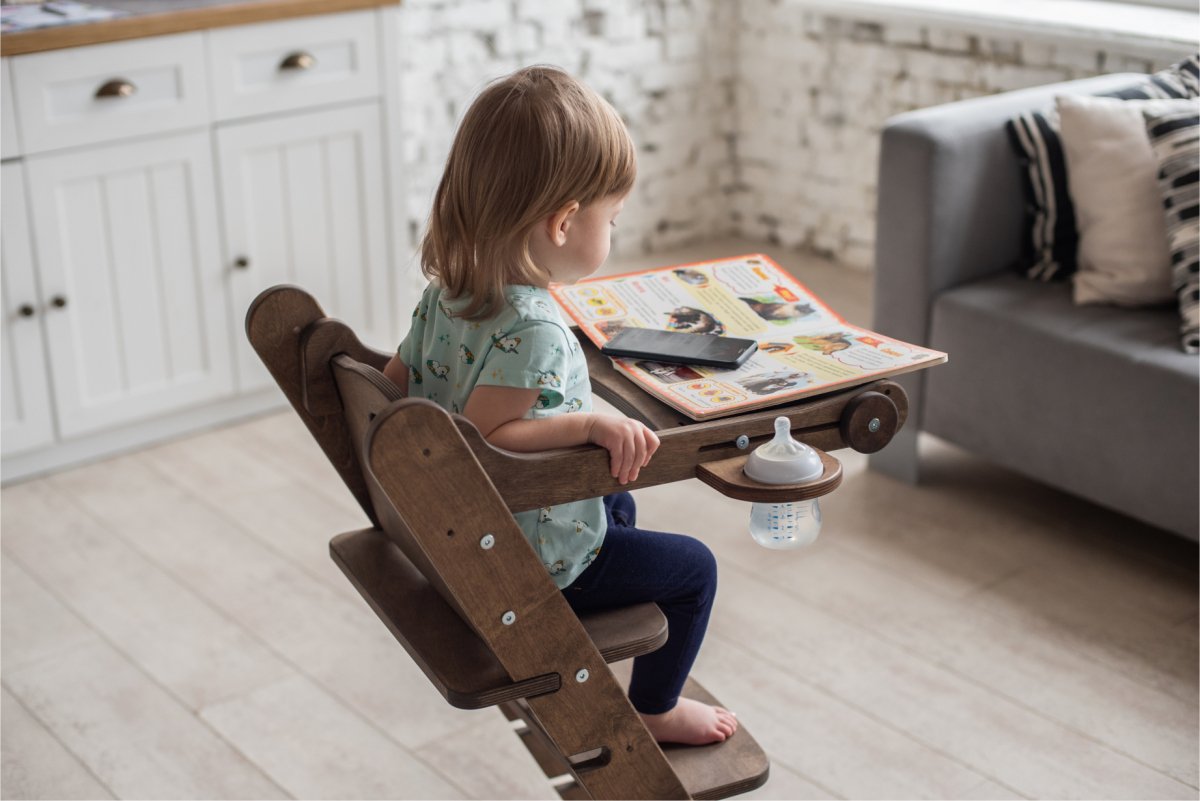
<point>666,65</point>
<point>756,118</point>
<point>836,81</point>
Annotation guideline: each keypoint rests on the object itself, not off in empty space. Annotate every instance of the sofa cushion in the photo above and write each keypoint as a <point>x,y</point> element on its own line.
<point>1123,256</point>
<point>1110,397</point>
<point>1051,240</point>
<point>1174,138</point>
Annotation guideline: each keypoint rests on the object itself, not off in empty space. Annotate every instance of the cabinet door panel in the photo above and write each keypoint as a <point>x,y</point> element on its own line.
<point>249,70</point>
<point>304,204</point>
<point>127,237</point>
<point>9,146</point>
<point>63,96</point>
<point>27,421</point>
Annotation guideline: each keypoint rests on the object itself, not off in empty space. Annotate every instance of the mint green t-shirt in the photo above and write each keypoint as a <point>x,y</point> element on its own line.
<point>526,345</point>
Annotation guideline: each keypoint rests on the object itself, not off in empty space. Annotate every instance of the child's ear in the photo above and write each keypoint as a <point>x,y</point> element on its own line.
<point>560,222</point>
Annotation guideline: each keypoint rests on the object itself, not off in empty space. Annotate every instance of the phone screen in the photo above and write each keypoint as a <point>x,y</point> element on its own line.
<point>679,348</point>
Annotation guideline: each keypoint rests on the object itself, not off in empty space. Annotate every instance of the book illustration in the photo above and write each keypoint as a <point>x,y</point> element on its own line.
<point>805,348</point>
<point>775,381</point>
<point>826,344</point>
<point>693,321</point>
<point>775,309</point>
<point>668,373</point>
<point>707,394</point>
<point>691,277</point>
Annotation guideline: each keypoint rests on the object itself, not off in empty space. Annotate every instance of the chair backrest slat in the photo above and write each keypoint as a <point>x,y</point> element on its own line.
<point>275,324</point>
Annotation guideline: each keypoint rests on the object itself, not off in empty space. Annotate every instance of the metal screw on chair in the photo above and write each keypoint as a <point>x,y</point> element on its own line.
<point>742,442</point>
<point>873,426</point>
<point>582,675</point>
<point>508,618</point>
<point>487,542</point>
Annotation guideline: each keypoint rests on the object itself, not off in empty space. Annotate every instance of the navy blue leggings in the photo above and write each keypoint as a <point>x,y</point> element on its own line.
<point>676,572</point>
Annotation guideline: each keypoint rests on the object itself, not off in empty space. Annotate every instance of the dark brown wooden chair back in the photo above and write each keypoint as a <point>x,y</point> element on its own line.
<point>449,571</point>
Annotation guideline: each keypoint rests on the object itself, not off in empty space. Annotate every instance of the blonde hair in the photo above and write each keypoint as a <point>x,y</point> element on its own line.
<point>530,144</point>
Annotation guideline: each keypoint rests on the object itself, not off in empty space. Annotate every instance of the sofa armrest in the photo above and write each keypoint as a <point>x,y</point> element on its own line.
<point>951,208</point>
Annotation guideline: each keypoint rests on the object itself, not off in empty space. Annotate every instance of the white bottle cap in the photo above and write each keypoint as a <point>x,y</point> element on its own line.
<point>783,460</point>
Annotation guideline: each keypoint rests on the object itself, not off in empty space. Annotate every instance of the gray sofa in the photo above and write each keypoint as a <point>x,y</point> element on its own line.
<point>1098,401</point>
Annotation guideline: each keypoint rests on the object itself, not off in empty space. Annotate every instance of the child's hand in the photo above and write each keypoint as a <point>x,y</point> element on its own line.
<point>629,443</point>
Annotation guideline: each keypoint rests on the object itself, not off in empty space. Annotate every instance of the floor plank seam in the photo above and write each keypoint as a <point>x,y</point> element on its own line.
<point>1116,669</point>
<point>992,690</point>
<point>331,579</point>
<point>865,712</point>
<point>54,736</point>
<point>284,659</point>
<point>135,665</point>
<point>775,760</point>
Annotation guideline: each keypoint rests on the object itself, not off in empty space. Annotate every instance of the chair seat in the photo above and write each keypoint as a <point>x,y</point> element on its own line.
<point>456,661</point>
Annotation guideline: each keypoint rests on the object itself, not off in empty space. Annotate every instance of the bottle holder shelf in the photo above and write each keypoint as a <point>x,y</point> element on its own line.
<point>727,478</point>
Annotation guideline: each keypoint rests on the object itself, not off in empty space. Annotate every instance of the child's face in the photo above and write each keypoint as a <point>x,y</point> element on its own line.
<point>587,238</point>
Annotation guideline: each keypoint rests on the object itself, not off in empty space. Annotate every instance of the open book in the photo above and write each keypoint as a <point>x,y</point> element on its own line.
<point>804,348</point>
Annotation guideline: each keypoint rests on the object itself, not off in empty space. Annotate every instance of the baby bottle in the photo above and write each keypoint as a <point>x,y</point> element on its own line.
<point>783,460</point>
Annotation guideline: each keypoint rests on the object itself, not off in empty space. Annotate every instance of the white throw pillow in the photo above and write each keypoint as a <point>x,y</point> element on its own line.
<point>1112,175</point>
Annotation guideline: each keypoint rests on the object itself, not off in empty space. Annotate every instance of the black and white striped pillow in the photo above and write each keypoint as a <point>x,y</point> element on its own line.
<point>1176,141</point>
<point>1052,240</point>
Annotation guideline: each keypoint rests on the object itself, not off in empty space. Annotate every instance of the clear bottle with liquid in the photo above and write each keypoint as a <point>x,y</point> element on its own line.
<point>783,460</point>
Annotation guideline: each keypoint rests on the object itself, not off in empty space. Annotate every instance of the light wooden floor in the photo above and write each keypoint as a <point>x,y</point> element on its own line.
<point>174,628</point>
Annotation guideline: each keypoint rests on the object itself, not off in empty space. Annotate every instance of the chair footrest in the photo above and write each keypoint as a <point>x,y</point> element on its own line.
<point>456,661</point>
<point>720,770</point>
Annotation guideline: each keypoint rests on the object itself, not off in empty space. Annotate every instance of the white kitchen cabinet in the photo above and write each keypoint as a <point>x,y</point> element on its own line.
<point>25,407</point>
<point>168,181</point>
<point>136,313</point>
<point>294,65</point>
<point>109,92</point>
<point>304,199</point>
<point>10,147</point>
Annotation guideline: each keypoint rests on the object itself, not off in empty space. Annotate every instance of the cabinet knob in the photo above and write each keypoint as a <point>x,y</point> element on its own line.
<point>298,61</point>
<point>241,263</point>
<point>58,301</point>
<point>25,310</point>
<point>117,87</point>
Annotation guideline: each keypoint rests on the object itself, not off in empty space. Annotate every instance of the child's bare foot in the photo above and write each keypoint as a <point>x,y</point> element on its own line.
<point>691,723</point>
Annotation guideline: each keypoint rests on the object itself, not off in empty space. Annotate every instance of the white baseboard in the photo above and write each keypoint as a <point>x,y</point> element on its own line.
<point>104,444</point>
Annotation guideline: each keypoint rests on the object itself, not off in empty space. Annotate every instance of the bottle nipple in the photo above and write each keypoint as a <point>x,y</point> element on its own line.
<point>783,460</point>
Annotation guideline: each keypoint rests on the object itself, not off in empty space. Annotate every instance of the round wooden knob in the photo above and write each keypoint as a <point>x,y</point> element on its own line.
<point>869,421</point>
<point>25,310</point>
<point>241,263</point>
<point>58,301</point>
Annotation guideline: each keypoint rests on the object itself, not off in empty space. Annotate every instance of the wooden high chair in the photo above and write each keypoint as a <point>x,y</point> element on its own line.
<point>446,568</point>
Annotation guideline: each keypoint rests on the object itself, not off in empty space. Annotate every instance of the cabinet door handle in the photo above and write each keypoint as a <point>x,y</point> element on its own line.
<point>241,263</point>
<point>117,87</point>
<point>58,301</point>
<point>25,310</point>
<point>298,61</point>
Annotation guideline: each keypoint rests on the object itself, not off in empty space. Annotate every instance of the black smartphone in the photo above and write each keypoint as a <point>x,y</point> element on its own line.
<point>677,347</point>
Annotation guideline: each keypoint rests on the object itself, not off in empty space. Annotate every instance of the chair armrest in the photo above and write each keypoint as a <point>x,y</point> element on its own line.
<point>547,478</point>
<point>951,208</point>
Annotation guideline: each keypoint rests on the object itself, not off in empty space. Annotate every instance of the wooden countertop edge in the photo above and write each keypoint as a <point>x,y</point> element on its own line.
<point>194,19</point>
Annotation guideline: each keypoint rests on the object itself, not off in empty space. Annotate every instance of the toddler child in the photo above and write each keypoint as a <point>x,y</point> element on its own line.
<point>538,172</point>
